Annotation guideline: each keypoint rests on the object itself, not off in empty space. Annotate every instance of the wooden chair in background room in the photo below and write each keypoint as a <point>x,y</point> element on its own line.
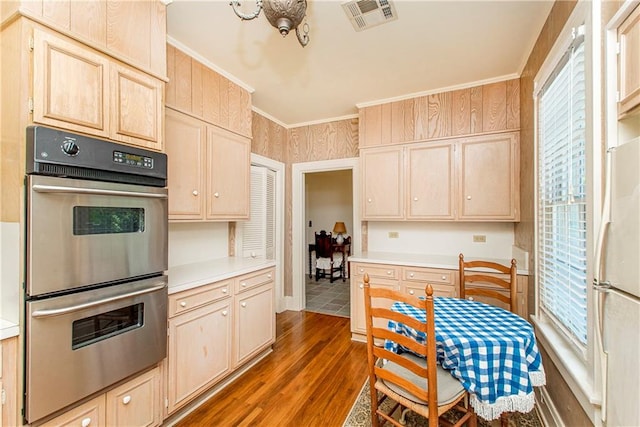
<point>413,380</point>
<point>489,288</point>
<point>327,262</point>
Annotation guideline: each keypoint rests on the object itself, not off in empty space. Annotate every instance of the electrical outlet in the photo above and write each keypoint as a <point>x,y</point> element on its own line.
<point>394,235</point>
<point>479,238</point>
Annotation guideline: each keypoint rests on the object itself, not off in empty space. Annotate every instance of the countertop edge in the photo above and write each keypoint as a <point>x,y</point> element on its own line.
<point>445,262</point>
<point>8,329</point>
<point>189,276</point>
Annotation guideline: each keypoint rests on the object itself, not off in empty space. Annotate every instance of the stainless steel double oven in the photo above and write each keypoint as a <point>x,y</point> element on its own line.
<point>95,289</point>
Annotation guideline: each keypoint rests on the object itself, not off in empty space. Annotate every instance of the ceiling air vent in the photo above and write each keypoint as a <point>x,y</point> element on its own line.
<point>365,14</point>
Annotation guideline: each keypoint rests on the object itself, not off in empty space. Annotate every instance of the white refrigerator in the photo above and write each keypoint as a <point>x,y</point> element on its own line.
<point>617,287</point>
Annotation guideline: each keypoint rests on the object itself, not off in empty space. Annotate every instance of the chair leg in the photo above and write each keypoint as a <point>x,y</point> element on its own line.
<point>374,405</point>
<point>504,419</point>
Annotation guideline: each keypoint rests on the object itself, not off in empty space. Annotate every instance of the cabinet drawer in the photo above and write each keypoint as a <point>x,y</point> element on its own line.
<point>376,270</point>
<point>191,299</point>
<point>438,290</point>
<point>252,280</point>
<point>428,276</point>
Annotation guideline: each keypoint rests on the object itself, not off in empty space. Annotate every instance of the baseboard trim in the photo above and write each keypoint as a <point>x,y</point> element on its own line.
<point>547,409</point>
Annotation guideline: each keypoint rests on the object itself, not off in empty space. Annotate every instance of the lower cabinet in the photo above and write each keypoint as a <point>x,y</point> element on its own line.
<point>380,275</point>
<point>134,403</point>
<point>215,329</point>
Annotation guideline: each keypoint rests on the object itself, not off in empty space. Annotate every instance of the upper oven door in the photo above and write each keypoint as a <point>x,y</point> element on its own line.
<point>82,233</point>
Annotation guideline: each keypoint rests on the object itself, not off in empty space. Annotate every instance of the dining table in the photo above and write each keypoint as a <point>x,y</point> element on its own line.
<point>492,351</point>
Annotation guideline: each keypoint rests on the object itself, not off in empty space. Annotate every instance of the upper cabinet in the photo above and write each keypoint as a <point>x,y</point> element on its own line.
<point>629,63</point>
<point>459,179</point>
<point>483,109</point>
<point>199,91</point>
<point>79,89</point>
<point>133,32</point>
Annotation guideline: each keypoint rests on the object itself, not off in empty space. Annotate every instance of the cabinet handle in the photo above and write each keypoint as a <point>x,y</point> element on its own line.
<point>243,284</point>
<point>243,304</point>
<point>369,200</point>
<point>411,292</point>
<point>183,304</point>
<point>216,194</point>
<point>224,312</point>
<point>362,270</point>
<point>269,275</point>
<point>85,422</point>
<point>389,273</point>
<point>470,298</point>
<point>444,277</point>
<point>415,199</point>
<point>126,399</point>
<point>194,192</point>
<point>468,197</point>
<point>225,290</point>
<point>361,286</point>
<point>410,274</point>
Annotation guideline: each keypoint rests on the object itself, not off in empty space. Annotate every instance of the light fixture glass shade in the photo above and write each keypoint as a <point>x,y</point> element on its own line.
<point>285,15</point>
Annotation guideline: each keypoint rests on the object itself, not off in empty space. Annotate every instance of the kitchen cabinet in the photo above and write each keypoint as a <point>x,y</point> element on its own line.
<point>460,179</point>
<point>629,63</point>
<point>415,280</point>
<point>200,334</point>
<point>9,415</point>
<point>79,89</point>
<point>197,90</point>
<point>380,275</point>
<point>255,327</point>
<point>383,182</point>
<point>208,170</point>
<point>489,178</point>
<point>133,403</point>
<point>131,31</point>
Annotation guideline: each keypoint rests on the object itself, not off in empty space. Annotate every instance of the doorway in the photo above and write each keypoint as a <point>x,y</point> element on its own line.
<point>300,227</point>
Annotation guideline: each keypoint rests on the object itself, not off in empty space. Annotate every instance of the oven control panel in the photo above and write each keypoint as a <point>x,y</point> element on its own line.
<point>132,159</point>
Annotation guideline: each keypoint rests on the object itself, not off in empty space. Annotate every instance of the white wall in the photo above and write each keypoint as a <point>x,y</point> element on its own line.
<point>328,199</point>
<point>442,238</point>
<point>195,242</point>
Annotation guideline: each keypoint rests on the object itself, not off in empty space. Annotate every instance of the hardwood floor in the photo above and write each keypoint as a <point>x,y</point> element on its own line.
<point>312,378</point>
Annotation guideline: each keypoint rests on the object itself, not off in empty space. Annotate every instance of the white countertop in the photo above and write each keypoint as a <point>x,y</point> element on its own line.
<point>8,329</point>
<point>449,262</point>
<point>187,276</point>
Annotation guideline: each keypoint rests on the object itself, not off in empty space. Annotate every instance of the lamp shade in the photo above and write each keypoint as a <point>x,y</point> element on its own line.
<point>339,228</point>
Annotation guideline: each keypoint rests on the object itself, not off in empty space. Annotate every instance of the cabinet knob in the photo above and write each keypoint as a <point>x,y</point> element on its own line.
<point>126,399</point>
<point>243,284</point>
<point>183,304</point>
<point>468,197</point>
<point>410,274</point>
<point>444,277</point>
<point>415,199</point>
<point>225,290</point>
<point>361,286</point>
<point>470,298</point>
<point>243,304</point>
<point>269,276</point>
<point>85,422</point>
<point>411,292</point>
<point>216,194</point>
<point>389,273</point>
<point>369,200</point>
<point>362,270</point>
<point>194,192</point>
<point>224,312</point>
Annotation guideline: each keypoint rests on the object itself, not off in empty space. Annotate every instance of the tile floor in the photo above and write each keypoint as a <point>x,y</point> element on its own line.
<point>328,298</point>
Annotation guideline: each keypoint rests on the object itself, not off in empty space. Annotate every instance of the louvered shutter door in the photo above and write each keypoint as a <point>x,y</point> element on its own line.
<point>254,230</point>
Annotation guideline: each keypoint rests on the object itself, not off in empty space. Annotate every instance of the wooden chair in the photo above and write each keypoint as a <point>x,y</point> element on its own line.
<point>478,284</point>
<point>413,381</point>
<point>327,262</point>
<point>484,286</point>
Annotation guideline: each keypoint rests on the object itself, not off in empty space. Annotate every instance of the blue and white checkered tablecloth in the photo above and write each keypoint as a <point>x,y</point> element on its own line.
<point>493,352</point>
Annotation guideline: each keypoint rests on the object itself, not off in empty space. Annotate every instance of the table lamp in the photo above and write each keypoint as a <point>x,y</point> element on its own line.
<point>339,229</point>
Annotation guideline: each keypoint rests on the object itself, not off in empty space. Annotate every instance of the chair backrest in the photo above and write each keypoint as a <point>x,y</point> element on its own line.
<point>500,286</point>
<point>377,316</point>
<point>323,244</point>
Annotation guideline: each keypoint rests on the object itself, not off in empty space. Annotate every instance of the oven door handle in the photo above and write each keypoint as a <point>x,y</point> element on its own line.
<point>78,307</point>
<point>94,191</point>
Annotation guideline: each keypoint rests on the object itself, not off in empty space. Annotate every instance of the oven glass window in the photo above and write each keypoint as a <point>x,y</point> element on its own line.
<point>107,220</point>
<point>106,325</point>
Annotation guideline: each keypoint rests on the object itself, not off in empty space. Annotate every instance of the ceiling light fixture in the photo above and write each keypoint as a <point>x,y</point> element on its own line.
<point>285,15</point>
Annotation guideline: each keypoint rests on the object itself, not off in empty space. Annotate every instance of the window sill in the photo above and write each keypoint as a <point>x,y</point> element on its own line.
<point>572,368</point>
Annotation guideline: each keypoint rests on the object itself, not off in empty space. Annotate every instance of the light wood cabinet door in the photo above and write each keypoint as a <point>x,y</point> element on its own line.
<point>70,87</point>
<point>382,179</point>
<point>380,275</point>
<point>185,148</point>
<point>431,181</point>
<point>418,290</point>
<point>629,63</point>
<point>137,402</point>
<point>228,174</point>
<point>415,280</point>
<point>91,413</point>
<point>489,178</point>
<point>199,351</point>
<point>255,322</point>
<point>136,108</point>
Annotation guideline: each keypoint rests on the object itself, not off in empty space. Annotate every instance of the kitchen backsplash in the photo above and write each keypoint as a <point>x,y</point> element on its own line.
<point>197,241</point>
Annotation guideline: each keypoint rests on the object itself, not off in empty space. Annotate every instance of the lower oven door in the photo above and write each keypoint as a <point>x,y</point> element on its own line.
<point>80,343</point>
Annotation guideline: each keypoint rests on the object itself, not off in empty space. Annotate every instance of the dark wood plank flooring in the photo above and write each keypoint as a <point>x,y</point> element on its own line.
<point>312,378</point>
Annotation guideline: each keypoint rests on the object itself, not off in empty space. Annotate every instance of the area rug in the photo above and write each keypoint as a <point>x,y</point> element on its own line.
<point>360,415</point>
